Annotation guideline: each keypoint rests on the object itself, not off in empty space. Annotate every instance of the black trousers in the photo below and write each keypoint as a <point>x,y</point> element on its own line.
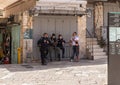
<point>44,53</point>
<point>63,51</point>
<point>75,52</point>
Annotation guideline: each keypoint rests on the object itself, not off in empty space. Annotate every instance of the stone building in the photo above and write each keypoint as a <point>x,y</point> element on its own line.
<point>32,18</point>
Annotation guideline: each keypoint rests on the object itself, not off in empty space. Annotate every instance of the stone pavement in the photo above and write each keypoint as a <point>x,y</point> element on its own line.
<point>84,72</point>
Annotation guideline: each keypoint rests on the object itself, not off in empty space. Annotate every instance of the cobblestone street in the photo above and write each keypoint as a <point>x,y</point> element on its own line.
<point>56,73</point>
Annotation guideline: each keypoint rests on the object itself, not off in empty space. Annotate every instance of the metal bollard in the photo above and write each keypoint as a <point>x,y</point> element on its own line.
<point>19,55</point>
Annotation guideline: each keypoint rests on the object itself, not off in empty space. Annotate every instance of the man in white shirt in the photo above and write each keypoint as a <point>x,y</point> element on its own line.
<point>75,45</point>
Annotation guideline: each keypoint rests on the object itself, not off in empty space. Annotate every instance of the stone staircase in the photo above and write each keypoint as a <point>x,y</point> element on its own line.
<point>98,52</point>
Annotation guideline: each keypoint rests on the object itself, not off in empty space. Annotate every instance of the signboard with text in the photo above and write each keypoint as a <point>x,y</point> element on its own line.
<point>114,48</point>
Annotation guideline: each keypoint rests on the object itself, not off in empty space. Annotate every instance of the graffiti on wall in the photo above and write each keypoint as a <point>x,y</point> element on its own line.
<point>28,34</point>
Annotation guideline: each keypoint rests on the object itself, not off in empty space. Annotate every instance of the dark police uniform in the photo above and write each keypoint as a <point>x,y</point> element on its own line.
<point>53,41</point>
<point>52,48</point>
<point>60,45</point>
<point>44,43</point>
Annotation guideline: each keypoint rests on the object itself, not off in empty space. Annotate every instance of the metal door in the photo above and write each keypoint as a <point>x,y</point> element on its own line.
<point>15,43</point>
<point>40,26</point>
<point>64,25</point>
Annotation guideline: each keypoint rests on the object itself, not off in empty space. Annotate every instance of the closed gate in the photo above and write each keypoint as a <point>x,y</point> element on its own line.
<point>64,25</point>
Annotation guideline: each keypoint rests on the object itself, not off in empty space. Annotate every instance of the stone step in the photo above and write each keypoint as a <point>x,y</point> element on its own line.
<point>97,50</point>
<point>90,43</point>
<point>91,38</point>
<point>94,47</point>
<point>99,53</point>
<point>100,57</point>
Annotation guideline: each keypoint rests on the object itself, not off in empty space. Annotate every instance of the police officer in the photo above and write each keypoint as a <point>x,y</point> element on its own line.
<point>60,44</point>
<point>44,43</point>
<point>52,46</point>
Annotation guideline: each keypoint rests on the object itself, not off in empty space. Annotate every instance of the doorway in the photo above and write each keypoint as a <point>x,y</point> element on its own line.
<point>64,25</point>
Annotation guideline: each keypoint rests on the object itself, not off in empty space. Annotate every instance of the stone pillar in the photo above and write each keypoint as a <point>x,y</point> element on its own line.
<point>82,35</point>
<point>26,42</point>
<point>98,18</point>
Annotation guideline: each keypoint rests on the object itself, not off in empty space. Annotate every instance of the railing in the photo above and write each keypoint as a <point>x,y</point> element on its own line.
<point>98,33</point>
<point>89,44</point>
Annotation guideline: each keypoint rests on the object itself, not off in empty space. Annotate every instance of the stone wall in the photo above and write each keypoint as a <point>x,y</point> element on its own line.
<point>26,23</point>
<point>20,10</point>
<point>19,7</point>
<point>82,35</point>
<point>98,18</point>
<point>26,43</point>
